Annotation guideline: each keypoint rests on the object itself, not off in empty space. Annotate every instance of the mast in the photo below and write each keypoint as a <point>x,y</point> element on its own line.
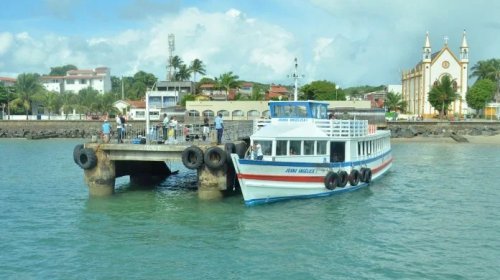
<point>295,77</point>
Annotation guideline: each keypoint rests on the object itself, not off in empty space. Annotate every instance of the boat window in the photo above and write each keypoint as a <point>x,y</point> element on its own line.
<point>308,147</point>
<point>266,147</point>
<point>290,111</point>
<point>295,147</point>
<point>321,148</point>
<point>337,151</point>
<point>281,147</point>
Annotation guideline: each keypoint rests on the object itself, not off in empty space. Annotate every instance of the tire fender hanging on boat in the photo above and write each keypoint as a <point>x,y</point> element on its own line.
<point>366,175</point>
<point>192,157</point>
<point>215,158</point>
<point>354,177</point>
<point>343,176</point>
<point>331,180</point>
<point>86,158</point>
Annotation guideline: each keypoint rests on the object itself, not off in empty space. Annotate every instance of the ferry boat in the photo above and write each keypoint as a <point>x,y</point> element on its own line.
<point>305,154</point>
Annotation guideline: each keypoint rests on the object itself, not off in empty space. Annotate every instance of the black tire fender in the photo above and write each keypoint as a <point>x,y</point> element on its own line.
<point>331,180</point>
<point>241,149</point>
<point>215,158</point>
<point>87,158</point>
<point>76,152</point>
<point>343,177</point>
<point>192,157</point>
<point>367,176</point>
<point>354,177</point>
<point>229,148</point>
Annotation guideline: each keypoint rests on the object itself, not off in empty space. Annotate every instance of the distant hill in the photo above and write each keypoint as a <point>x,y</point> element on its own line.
<point>355,91</point>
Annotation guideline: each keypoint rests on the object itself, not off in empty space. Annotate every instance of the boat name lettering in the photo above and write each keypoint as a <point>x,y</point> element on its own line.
<point>292,120</point>
<point>300,170</point>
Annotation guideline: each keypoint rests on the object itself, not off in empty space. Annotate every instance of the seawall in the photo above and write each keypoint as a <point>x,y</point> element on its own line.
<point>87,129</point>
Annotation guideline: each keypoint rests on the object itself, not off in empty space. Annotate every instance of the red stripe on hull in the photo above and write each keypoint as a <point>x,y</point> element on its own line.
<point>289,178</point>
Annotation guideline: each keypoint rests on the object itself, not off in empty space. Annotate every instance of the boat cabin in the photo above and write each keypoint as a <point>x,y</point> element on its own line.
<point>301,131</point>
<point>298,109</point>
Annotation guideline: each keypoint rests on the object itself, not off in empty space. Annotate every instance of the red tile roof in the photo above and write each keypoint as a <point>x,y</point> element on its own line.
<point>136,103</point>
<point>7,79</point>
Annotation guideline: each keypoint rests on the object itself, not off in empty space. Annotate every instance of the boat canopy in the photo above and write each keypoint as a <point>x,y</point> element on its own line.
<point>298,109</point>
<point>290,131</point>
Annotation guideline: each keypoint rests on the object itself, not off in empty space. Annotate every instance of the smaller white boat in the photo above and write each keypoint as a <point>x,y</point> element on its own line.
<point>304,154</point>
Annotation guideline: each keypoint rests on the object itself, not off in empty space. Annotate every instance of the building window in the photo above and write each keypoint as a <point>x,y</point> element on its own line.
<point>70,82</point>
<point>83,81</point>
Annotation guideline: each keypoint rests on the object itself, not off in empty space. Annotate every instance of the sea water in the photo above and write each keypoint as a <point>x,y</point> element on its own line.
<point>433,216</point>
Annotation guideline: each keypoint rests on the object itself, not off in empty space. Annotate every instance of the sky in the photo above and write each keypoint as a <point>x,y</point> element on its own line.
<point>350,43</point>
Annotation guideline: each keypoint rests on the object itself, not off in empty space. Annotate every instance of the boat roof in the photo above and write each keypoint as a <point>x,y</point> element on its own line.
<point>295,130</point>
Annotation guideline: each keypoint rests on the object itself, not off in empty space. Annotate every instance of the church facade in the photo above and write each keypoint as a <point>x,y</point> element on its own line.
<point>417,82</point>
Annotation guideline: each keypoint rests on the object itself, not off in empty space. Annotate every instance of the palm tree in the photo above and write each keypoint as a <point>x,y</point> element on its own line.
<point>227,81</point>
<point>176,62</point>
<point>27,85</point>
<point>50,100</point>
<point>197,67</point>
<point>488,69</point>
<point>394,102</point>
<point>442,95</point>
<point>184,73</point>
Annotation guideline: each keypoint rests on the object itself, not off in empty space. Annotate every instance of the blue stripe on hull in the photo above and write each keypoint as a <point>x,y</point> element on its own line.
<point>308,164</point>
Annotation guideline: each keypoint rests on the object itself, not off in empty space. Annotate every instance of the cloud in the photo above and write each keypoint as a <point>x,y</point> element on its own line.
<point>144,9</point>
<point>6,40</point>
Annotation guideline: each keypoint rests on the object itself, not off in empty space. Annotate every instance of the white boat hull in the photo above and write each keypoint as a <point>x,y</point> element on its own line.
<point>269,181</point>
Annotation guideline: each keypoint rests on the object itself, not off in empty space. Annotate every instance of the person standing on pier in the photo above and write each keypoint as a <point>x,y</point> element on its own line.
<point>165,126</point>
<point>219,126</point>
<point>119,127</point>
<point>206,128</point>
<point>106,131</point>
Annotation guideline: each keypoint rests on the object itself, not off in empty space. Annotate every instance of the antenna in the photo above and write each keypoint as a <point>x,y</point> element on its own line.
<point>295,77</point>
<point>171,49</point>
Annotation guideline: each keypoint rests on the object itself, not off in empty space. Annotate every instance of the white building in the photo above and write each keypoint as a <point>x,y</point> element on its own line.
<point>76,80</point>
<point>417,82</point>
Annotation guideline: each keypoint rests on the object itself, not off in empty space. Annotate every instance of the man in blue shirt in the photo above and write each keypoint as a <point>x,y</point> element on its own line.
<point>219,126</point>
<point>106,130</point>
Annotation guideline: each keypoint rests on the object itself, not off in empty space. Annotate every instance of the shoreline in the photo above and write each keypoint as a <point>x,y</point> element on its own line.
<point>479,139</point>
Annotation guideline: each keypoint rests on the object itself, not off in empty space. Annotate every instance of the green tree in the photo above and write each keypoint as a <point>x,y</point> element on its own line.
<point>480,93</point>
<point>175,62</point>
<point>228,80</point>
<point>69,101</point>
<point>187,97</point>
<point>147,79</point>
<point>27,85</point>
<point>183,74</point>
<point>61,70</point>
<point>322,90</point>
<point>197,67</point>
<point>257,93</point>
<point>442,95</point>
<point>488,69</point>
<point>51,101</point>
<point>394,102</point>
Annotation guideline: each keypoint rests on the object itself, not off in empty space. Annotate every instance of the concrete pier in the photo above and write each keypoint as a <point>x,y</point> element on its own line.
<point>145,164</point>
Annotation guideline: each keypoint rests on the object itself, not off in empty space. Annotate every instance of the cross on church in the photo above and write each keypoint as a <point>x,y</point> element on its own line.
<point>446,40</point>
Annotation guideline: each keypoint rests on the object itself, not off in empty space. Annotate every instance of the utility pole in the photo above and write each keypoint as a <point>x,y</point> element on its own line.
<point>123,91</point>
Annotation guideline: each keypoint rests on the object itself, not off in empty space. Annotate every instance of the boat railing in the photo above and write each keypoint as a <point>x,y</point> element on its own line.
<point>333,128</point>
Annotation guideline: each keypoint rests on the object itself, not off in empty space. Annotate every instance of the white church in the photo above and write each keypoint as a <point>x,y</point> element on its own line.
<point>417,82</point>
